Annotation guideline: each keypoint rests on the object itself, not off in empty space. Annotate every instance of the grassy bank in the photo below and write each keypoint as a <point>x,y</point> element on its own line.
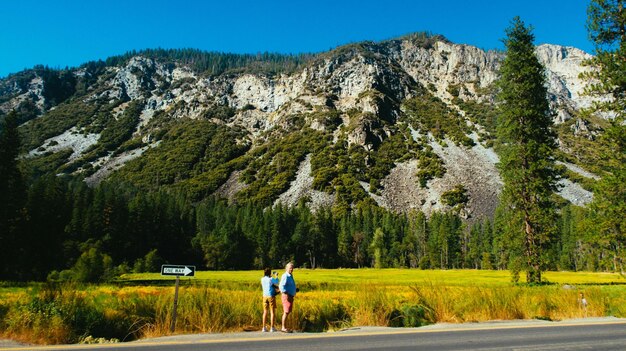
<point>140,305</point>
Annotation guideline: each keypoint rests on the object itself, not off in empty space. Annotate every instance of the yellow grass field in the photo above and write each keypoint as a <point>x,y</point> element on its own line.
<point>140,305</point>
<point>392,276</point>
<point>337,298</point>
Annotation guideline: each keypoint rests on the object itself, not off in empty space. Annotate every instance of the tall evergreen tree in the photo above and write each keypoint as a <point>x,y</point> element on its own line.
<point>607,28</point>
<point>12,195</point>
<point>526,144</point>
<point>48,213</point>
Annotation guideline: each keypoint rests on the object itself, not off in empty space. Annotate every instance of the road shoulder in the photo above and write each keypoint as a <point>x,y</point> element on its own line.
<point>352,331</point>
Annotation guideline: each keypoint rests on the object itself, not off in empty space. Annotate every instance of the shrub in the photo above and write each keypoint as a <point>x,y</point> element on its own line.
<point>59,314</point>
<point>409,315</point>
<point>430,166</point>
<point>151,262</point>
<point>323,315</point>
<point>456,196</point>
<point>91,267</point>
<point>429,113</point>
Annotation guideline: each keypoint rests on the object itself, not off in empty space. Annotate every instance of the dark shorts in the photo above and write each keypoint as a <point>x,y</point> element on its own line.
<point>287,303</point>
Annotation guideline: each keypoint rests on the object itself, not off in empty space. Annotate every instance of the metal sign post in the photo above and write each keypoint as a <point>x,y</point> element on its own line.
<point>178,271</point>
<point>173,325</point>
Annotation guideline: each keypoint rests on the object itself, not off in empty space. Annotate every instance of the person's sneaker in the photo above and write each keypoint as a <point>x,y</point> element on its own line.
<point>264,330</point>
<point>273,330</point>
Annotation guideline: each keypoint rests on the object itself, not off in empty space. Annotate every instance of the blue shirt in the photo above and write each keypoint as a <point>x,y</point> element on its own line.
<point>266,284</point>
<point>287,284</point>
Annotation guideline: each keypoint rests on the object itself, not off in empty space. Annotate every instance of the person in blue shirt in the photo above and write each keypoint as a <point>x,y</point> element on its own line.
<point>269,285</point>
<point>288,289</point>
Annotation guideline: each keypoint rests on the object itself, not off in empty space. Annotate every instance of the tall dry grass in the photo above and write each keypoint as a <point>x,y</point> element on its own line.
<point>475,304</point>
<point>70,313</point>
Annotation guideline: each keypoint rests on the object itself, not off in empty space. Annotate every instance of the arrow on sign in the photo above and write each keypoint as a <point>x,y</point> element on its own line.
<point>186,271</point>
<point>178,270</point>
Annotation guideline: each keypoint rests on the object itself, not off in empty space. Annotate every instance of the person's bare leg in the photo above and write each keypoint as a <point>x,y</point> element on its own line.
<point>264,317</point>
<point>284,320</point>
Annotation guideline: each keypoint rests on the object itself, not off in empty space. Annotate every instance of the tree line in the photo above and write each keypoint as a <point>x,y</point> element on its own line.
<point>215,63</point>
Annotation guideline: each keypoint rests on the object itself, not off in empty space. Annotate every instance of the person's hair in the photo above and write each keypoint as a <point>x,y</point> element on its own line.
<point>289,264</point>
<point>267,271</point>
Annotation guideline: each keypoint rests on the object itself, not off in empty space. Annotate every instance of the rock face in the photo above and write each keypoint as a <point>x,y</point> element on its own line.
<point>563,68</point>
<point>448,64</point>
<point>370,78</point>
<point>28,90</point>
<point>344,80</point>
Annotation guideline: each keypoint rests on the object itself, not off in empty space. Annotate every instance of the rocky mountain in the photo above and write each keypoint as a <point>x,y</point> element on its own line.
<point>403,123</point>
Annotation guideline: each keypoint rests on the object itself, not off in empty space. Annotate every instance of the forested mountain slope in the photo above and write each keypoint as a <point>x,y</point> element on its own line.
<point>406,124</point>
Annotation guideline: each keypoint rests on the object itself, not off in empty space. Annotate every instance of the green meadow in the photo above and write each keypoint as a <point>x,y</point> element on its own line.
<point>140,305</point>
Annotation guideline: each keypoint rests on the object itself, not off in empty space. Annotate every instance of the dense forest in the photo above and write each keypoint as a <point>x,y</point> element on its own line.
<point>69,231</point>
<point>58,228</point>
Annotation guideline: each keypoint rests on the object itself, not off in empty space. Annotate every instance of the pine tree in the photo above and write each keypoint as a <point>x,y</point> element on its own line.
<point>344,242</point>
<point>607,28</point>
<point>378,249</point>
<point>12,195</point>
<point>526,144</point>
<point>44,235</point>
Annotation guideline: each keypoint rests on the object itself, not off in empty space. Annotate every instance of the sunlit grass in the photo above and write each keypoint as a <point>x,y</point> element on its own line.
<point>140,305</point>
<point>346,278</point>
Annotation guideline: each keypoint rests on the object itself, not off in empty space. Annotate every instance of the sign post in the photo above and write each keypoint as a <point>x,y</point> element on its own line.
<point>178,271</point>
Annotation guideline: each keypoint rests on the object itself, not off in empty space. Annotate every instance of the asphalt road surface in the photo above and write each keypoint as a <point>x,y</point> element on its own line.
<point>599,334</point>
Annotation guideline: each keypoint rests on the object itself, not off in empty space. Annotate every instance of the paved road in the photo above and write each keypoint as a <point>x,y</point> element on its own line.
<point>604,334</point>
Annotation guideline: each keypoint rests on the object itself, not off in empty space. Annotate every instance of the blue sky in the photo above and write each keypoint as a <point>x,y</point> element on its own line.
<point>68,33</point>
